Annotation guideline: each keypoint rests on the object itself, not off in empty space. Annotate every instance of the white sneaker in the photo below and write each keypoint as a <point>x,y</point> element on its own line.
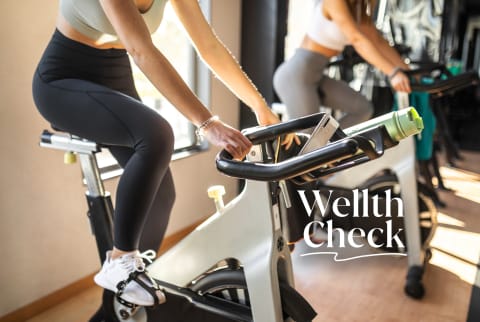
<point>117,270</point>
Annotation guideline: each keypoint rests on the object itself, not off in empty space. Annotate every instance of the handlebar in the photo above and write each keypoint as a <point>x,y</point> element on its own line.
<point>427,69</point>
<point>364,144</point>
<point>259,134</point>
<point>289,168</point>
<point>438,80</point>
<point>447,85</point>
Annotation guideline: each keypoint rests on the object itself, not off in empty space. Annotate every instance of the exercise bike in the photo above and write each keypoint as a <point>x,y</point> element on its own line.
<point>394,172</point>
<point>248,276</point>
<point>440,85</point>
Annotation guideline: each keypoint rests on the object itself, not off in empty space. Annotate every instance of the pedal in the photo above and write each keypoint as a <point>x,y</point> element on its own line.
<point>153,289</point>
<point>127,304</point>
<point>126,311</point>
<point>160,296</point>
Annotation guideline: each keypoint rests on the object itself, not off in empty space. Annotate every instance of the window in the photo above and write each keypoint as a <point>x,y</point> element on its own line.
<point>175,45</point>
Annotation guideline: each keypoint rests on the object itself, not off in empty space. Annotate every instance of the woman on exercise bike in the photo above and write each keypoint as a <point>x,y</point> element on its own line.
<point>333,25</point>
<point>84,85</point>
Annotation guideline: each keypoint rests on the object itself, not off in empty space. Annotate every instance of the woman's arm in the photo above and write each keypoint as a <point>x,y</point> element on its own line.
<point>219,58</point>
<point>383,46</point>
<point>134,35</point>
<point>398,80</point>
<point>338,11</point>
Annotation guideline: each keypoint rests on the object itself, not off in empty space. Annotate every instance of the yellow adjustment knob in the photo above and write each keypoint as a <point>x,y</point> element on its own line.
<point>69,158</point>
<point>216,192</point>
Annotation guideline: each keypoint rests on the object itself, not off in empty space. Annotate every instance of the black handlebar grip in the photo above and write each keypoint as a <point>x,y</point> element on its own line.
<point>289,168</point>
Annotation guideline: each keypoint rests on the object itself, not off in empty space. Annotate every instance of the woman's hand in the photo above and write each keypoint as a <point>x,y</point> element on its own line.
<point>228,138</point>
<point>267,117</point>
<point>400,82</point>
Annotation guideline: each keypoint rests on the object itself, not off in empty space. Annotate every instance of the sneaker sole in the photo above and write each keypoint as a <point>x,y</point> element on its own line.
<point>100,282</point>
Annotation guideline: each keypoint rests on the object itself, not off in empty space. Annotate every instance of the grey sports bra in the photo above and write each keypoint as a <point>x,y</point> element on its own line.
<point>88,17</point>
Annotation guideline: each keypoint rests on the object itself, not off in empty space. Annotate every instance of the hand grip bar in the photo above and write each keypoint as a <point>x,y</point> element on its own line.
<point>289,168</point>
<point>425,69</point>
<point>448,85</point>
<point>367,142</point>
<point>259,134</point>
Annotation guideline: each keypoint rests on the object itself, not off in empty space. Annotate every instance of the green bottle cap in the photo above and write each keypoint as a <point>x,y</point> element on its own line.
<point>407,122</point>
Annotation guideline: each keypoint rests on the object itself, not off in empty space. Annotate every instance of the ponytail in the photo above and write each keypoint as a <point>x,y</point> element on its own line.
<point>361,10</point>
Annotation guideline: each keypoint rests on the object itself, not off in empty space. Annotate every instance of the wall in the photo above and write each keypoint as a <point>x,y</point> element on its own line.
<point>44,233</point>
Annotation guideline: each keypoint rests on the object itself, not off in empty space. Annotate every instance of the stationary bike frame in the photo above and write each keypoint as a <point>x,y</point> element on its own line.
<point>399,160</point>
<point>255,240</point>
<point>248,229</point>
<point>100,214</point>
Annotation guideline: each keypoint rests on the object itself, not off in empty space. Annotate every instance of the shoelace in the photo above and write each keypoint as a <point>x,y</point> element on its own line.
<point>148,255</point>
<point>138,263</point>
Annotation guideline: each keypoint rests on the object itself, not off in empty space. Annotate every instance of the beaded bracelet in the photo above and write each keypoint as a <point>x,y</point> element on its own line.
<point>206,124</point>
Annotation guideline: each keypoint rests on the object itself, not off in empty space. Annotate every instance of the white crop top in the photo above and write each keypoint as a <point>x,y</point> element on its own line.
<point>87,17</point>
<point>325,32</point>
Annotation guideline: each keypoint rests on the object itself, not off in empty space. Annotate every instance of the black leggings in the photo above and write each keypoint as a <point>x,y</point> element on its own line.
<point>90,93</point>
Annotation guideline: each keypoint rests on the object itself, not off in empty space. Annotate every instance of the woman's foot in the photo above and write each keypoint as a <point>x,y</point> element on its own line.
<point>115,271</point>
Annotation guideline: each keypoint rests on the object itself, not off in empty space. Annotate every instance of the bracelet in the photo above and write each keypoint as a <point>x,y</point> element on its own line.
<point>206,124</point>
<point>394,72</point>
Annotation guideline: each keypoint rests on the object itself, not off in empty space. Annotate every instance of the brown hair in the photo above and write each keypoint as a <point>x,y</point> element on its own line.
<point>361,10</point>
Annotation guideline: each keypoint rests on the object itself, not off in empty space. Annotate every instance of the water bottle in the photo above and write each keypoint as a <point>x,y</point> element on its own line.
<point>399,124</point>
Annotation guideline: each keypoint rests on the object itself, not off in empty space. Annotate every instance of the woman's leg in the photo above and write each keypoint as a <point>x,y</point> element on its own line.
<point>296,83</point>
<point>105,116</point>
<point>109,117</point>
<point>159,213</point>
<point>339,96</point>
<point>299,81</point>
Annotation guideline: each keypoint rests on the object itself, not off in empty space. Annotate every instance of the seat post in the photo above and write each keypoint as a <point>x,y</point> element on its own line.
<point>100,207</point>
<point>91,173</point>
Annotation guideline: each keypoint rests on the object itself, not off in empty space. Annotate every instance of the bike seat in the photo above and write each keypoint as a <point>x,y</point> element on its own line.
<point>73,136</point>
<point>65,141</point>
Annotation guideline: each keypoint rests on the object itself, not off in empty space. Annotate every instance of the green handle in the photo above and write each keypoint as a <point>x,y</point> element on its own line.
<point>399,124</point>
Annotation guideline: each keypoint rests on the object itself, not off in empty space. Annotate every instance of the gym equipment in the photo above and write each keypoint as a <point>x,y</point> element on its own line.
<point>248,276</point>
<point>440,85</point>
<point>396,172</point>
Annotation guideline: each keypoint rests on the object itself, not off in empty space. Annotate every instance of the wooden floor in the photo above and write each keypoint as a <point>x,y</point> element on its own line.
<point>371,289</point>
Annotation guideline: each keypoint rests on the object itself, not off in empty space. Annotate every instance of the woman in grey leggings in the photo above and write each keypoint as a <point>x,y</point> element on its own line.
<point>301,83</point>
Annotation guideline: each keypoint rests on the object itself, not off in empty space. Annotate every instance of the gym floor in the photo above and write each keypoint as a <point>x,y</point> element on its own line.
<point>371,289</point>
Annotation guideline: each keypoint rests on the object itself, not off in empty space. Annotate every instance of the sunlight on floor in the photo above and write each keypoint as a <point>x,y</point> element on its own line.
<point>456,251</point>
<point>454,248</point>
<point>465,184</point>
<point>444,219</point>
<point>465,271</point>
